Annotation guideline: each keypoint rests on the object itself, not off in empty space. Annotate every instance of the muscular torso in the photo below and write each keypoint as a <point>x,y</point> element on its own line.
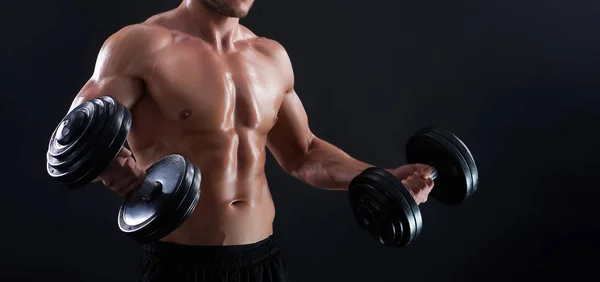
<point>215,108</point>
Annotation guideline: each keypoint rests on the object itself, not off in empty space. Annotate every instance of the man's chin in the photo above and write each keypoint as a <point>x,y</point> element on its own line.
<point>238,14</point>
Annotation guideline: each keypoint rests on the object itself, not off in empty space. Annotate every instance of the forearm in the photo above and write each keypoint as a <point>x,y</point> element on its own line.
<point>328,167</point>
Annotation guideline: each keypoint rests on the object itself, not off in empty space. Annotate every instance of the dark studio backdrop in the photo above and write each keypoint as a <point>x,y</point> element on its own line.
<point>518,81</point>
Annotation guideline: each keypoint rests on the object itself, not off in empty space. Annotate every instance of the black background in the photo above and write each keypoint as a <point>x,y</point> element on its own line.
<point>517,80</point>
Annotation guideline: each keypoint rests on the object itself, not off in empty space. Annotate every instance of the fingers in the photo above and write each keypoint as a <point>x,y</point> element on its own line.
<point>418,181</point>
<point>113,168</point>
<point>418,186</point>
<point>129,185</point>
<point>124,152</point>
<point>127,169</point>
<point>424,170</point>
<point>430,183</point>
<point>124,186</point>
<point>117,163</point>
<point>409,187</point>
<point>407,170</point>
<point>404,171</point>
<point>123,175</point>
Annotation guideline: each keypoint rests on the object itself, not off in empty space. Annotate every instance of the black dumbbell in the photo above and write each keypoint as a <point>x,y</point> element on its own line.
<point>90,137</point>
<point>386,210</point>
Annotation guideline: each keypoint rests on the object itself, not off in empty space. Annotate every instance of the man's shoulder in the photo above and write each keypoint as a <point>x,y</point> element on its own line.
<point>139,35</point>
<point>276,52</point>
<point>270,48</point>
<point>267,46</point>
<point>138,40</point>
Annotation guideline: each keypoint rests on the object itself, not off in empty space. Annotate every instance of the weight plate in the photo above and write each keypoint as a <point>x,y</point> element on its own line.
<point>113,139</point>
<point>467,155</point>
<point>76,125</point>
<point>412,204</point>
<point>148,221</point>
<point>87,140</point>
<point>455,181</point>
<point>62,156</point>
<point>382,210</point>
<point>182,209</point>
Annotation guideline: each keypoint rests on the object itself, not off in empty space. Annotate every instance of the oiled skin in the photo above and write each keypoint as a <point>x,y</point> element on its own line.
<point>220,101</point>
<point>216,109</point>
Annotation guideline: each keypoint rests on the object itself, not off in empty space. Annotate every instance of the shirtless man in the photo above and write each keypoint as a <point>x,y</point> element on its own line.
<point>201,85</point>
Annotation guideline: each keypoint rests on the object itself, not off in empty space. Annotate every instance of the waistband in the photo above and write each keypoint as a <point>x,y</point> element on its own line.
<point>212,256</point>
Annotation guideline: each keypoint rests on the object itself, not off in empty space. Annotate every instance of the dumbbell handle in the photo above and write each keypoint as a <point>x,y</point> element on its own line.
<point>434,174</point>
<point>150,189</point>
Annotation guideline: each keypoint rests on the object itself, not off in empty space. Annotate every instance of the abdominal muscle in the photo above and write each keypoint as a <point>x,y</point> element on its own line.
<point>235,205</point>
<point>224,222</point>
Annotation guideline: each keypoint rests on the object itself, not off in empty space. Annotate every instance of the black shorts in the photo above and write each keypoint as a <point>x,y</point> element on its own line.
<point>258,262</point>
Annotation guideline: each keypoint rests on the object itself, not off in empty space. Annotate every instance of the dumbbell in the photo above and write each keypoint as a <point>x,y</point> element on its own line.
<point>386,210</point>
<point>85,143</point>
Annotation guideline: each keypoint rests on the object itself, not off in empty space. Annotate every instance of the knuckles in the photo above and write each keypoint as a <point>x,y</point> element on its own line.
<point>121,176</point>
<point>419,188</point>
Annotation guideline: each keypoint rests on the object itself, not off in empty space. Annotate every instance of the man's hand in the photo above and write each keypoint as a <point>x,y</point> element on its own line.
<point>415,177</point>
<point>123,175</point>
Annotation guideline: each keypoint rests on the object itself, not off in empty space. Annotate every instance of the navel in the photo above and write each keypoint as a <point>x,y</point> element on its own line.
<point>185,114</point>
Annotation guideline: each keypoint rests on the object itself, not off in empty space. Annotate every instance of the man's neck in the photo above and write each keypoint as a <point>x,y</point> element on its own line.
<point>218,30</point>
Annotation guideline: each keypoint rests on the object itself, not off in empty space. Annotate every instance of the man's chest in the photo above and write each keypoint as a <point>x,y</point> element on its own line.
<point>241,88</point>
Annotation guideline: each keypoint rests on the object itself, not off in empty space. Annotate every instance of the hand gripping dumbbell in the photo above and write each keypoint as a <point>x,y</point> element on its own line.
<point>90,137</point>
<point>386,210</point>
